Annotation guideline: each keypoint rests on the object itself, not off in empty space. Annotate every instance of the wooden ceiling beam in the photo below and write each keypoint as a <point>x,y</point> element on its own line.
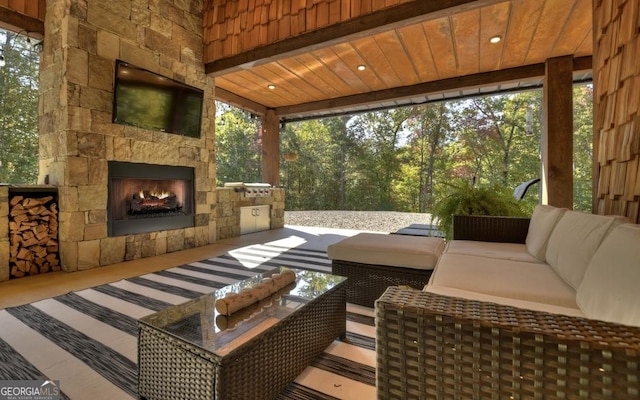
<point>421,89</point>
<point>240,102</point>
<point>365,25</point>
<point>14,20</point>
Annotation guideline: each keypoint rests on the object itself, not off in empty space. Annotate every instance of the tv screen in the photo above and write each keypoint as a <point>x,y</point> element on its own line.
<point>151,101</point>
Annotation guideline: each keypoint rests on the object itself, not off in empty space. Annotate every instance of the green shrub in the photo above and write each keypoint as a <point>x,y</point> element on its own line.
<point>465,199</point>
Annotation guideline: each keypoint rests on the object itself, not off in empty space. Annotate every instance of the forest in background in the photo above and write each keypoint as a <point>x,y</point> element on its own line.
<point>18,109</point>
<point>407,159</point>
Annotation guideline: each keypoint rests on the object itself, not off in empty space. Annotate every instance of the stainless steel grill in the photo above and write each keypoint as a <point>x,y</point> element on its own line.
<point>251,189</point>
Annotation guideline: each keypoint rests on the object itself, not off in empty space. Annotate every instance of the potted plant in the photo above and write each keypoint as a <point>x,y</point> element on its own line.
<point>467,199</point>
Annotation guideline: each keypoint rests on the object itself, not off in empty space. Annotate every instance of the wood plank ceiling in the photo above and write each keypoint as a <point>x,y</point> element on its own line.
<point>437,48</point>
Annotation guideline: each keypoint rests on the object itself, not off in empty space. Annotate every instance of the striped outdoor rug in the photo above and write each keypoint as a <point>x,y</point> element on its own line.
<point>88,339</point>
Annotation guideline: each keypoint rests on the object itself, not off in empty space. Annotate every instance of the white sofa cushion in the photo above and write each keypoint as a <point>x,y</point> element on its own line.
<point>504,251</point>
<point>418,252</point>
<point>609,290</point>
<point>543,220</point>
<point>573,242</point>
<point>503,278</point>
<point>528,305</point>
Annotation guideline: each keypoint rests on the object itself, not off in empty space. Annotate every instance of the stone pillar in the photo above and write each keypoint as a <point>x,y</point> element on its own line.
<point>84,38</point>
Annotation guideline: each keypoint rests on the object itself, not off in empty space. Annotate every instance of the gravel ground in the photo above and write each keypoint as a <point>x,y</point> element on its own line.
<point>380,221</point>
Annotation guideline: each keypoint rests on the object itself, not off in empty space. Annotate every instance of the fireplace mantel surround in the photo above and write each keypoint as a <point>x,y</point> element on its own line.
<point>78,139</point>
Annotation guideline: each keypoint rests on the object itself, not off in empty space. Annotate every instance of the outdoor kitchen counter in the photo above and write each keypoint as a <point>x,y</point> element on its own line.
<point>230,200</point>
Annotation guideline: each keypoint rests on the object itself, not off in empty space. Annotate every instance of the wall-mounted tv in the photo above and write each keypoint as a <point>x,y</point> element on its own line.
<point>151,101</point>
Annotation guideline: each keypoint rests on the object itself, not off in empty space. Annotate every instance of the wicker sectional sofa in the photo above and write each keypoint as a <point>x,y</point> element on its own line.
<point>519,309</point>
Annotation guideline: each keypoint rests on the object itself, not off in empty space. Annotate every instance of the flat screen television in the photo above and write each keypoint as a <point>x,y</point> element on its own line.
<point>151,101</point>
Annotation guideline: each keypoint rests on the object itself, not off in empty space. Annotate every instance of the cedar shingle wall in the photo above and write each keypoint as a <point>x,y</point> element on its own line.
<point>617,106</point>
<point>234,26</point>
<point>31,8</point>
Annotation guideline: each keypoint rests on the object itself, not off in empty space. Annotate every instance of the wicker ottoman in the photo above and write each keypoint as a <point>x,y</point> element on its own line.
<point>372,262</point>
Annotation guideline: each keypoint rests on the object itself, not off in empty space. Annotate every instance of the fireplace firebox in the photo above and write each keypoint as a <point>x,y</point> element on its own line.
<point>148,198</point>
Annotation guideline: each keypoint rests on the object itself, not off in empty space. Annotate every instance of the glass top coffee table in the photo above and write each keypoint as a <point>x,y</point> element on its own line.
<point>191,351</point>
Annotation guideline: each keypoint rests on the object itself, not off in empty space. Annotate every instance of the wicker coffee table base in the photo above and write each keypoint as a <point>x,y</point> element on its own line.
<point>367,282</point>
<point>170,368</point>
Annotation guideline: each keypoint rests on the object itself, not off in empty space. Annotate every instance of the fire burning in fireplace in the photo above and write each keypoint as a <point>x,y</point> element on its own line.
<point>145,198</point>
<point>146,201</point>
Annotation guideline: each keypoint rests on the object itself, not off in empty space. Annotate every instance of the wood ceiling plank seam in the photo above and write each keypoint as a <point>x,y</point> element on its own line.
<point>229,97</point>
<point>420,56</point>
<point>523,18</point>
<point>397,56</point>
<point>241,79</point>
<point>344,50</point>
<point>431,52</point>
<point>389,76</point>
<point>342,71</point>
<point>443,55</point>
<point>491,53</point>
<point>506,35</point>
<point>295,86</point>
<point>315,64</point>
<point>552,22</point>
<point>566,42</point>
<point>261,96</point>
<point>372,71</point>
<point>466,34</point>
<point>454,45</point>
<point>586,45</point>
<point>298,69</point>
<point>229,85</point>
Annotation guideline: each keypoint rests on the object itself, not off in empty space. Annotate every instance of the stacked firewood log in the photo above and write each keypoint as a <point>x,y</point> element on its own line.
<point>33,236</point>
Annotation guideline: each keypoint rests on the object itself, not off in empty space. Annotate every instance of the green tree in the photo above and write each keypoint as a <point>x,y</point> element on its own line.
<point>583,147</point>
<point>238,146</point>
<point>380,134</point>
<point>428,131</point>
<point>312,180</point>
<point>406,159</point>
<point>500,132</point>
<point>342,146</point>
<point>18,110</point>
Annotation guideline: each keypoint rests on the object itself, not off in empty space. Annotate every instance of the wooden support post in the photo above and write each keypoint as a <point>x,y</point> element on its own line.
<point>271,148</point>
<point>557,134</point>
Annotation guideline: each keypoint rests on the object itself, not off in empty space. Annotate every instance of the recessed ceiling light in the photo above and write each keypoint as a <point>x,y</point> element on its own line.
<point>271,86</point>
<point>362,67</point>
<point>495,39</point>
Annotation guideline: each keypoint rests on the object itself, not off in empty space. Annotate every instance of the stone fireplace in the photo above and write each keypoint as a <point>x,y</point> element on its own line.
<point>148,198</point>
<point>82,149</point>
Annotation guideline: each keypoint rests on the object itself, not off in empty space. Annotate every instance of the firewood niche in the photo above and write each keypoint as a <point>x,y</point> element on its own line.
<point>33,233</point>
